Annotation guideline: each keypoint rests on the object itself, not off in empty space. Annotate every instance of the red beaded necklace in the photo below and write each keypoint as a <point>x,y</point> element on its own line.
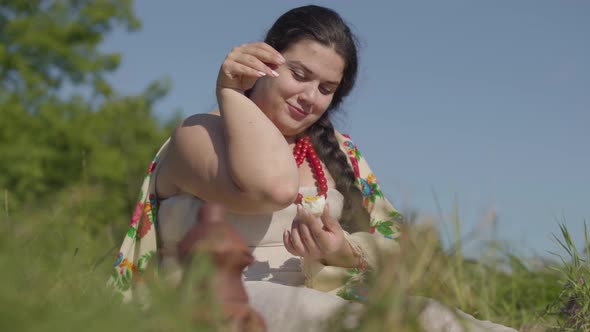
<point>304,149</point>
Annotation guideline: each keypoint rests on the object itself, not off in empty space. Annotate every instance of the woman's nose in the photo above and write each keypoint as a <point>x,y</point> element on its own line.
<point>309,94</point>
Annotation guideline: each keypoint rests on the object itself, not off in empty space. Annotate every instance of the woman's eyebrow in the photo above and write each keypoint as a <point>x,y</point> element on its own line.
<point>298,63</point>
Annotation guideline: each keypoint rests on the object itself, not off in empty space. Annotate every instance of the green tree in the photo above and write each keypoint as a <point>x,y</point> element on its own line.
<point>55,145</point>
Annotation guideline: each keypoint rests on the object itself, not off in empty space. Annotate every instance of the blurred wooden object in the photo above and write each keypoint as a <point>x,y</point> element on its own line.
<point>213,236</point>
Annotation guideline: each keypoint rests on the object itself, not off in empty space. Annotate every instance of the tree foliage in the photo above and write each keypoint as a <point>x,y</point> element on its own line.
<point>62,125</point>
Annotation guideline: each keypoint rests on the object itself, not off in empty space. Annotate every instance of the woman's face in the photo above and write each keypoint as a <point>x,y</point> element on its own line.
<point>304,89</point>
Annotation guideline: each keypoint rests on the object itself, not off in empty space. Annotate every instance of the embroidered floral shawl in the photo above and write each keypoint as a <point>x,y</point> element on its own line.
<point>140,243</point>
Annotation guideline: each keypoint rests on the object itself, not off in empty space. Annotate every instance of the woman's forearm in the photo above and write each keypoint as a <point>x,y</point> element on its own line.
<point>260,160</point>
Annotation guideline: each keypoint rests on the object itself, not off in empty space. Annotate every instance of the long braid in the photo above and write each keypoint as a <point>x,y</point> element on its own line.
<point>325,26</point>
<point>354,216</point>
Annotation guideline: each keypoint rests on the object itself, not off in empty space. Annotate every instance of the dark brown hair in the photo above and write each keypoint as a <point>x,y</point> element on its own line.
<point>326,27</point>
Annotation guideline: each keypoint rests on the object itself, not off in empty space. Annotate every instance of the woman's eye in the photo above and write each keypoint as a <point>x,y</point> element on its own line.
<point>298,76</point>
<point>325,90</point>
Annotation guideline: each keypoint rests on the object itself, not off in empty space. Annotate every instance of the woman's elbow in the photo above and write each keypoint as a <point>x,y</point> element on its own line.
<point>277,194</point>
<point>283,194</point>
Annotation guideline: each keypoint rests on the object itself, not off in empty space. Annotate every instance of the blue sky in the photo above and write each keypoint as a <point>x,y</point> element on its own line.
<point>466,105</point>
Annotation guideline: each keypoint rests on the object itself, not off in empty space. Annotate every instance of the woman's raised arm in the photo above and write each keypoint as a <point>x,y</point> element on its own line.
<point>237,157</point>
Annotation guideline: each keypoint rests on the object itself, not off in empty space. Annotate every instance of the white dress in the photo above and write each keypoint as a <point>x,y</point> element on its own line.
<point>275,281</point>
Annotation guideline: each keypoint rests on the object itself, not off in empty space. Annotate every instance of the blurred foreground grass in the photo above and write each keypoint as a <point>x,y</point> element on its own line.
<point>73,165</point>
<point>55,264</point>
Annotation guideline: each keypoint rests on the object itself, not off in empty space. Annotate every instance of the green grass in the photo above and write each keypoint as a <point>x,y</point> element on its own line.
<point>56,261</point>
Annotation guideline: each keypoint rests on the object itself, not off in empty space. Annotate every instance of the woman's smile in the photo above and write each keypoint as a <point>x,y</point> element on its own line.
<point>296,112</point>
<point>306,83</point>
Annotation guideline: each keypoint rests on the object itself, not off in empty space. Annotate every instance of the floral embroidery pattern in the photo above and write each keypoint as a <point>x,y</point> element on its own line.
<point>144,228</point>
<point>354,155</point>
<point>137,214</point>
<point>387,228</point>
<point>123,273</point>
<point>370,189</point>
<point>140,244</point>
<point>128,269</point>
<point>119,259</point>
<point>143,260</point>
<point>384,221</point>
<point>356,289</point>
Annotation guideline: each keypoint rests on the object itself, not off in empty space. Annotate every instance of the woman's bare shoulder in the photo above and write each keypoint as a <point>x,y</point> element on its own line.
<point>200,120</point>
<point>192,147</point>
<point>197,130</point>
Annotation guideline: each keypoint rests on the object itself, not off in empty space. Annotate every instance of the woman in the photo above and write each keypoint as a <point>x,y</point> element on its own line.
<point>269,150</point>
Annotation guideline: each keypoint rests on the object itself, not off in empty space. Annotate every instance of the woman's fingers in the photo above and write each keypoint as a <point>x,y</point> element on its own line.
<point>259,56</point>
<point>309,242</point>
<point>295,242</point>
<point>234,70</point>
<point>275,57</point>
<point>255,63</point>
<point>302,237</point>
<point>296,239</point>
<point>262,52</point>
<point>246,63</point>
<point>328,222</point>
<point>316,226</point>
<point>314,236</point>
<point>288,244</point>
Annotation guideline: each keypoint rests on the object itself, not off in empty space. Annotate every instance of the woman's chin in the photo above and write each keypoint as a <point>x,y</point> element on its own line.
<point>291,133</point>
<point>290,127</point>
